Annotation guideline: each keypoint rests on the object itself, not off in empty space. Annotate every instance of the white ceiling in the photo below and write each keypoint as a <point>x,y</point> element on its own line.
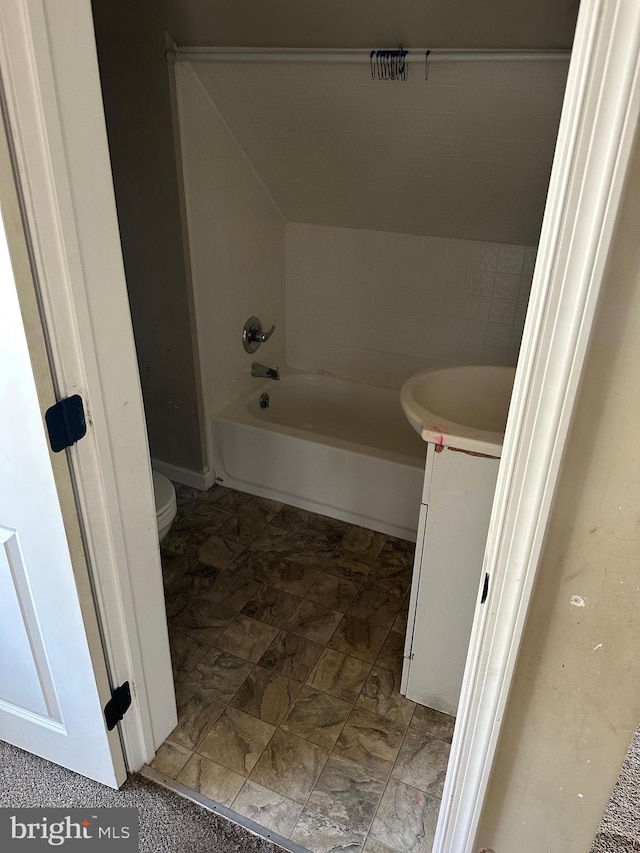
<point>466,154</point>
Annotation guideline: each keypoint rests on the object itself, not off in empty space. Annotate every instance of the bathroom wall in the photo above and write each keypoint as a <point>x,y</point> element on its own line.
<point>466,153</point>
<point>237,242</point>
<point>378,306</point>
<point>574,702</point>
<point>135,84</point>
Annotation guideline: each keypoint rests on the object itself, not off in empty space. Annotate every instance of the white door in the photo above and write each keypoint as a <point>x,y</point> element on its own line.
<point>53,678</point>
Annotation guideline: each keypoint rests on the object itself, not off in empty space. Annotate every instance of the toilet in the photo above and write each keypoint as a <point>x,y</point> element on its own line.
<point>166,508</point>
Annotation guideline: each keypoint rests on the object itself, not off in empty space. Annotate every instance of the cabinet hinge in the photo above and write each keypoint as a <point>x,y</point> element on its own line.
<point>66,423</point>
<point>485,588</point>
<point>118,705</point>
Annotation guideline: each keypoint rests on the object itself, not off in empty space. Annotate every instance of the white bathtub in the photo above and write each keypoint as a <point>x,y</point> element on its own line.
<point>328,445</point>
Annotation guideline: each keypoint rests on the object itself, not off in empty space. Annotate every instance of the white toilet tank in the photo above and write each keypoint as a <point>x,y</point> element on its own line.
<point>166,508</point>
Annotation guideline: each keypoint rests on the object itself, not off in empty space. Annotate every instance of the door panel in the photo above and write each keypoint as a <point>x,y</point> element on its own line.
<point>53,677</point>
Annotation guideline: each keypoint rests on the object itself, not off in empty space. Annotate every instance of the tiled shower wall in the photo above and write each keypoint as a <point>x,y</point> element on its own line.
<point>236,243</point>
<point>378,306</point>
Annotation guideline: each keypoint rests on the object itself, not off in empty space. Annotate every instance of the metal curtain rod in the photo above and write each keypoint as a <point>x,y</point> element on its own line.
<point>234,54</point>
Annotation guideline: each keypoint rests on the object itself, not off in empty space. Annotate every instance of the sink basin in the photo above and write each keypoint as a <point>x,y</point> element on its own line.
<point>460,407</point>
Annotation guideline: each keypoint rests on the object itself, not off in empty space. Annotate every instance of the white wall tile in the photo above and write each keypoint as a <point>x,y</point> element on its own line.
<point>383,305</point>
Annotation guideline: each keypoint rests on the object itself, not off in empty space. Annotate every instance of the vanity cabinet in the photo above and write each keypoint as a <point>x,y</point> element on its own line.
<point>447,574</point>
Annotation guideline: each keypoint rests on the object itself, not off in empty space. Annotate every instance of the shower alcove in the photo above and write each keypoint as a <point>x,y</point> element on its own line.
<point>385,227</point>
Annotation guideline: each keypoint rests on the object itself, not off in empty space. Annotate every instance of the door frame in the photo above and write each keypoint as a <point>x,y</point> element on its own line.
<point>56,120</point>
<point>52,104</point>
<point>595,140</point>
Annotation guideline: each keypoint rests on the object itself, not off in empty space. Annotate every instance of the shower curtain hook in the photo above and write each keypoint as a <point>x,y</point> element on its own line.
<point>426,65</point>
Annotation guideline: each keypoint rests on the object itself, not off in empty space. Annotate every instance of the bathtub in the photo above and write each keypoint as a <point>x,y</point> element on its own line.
<point>335,447</point>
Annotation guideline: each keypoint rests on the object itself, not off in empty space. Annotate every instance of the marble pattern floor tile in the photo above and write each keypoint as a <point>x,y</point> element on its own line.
<point>393,578</point>
<point>260,509</point>
<point>241,528</point>
<point>247,638</point>
<point>319,834</point>
<point>376,605</point>
<point>333,591</point>
<point>236,740</point>
<point>317,717</point>
<point>339,675</point>
<point>274,541</point>
<point>220,674</point>
<point>370,740</point>
<point>290,766</point>
<point>324,523</point>
<point>232,590</point>
<point>204,620</point>
<point>314,548</point>
<point>406,819</point>
<point>381,694</point>
<point>170,759</point>
<point>373,846</point>
<point>198,709</point>
<point>219,552</point>
<point>314,621</point>
<point>347,793</point>
<point>400,622</point>
<point>358,638</point>
<point>186,654</point>
<point>433,723</point>
<point>392,653</point>
<point>257,565</point>
<point>287,634</point>
<point>211,779</point>
<point>346,566</point>
<point>170,563</point>
<point>291,655</point>
<point>422,762</point>
<point>266,695</point>
<point>267,808</point>
<point>293,519</point>
<point>229,499</point>
<point>365,545</point>
<point>293,578</point>
<point>178,593</point>
<point>205,518</point>
<point>271,605</point>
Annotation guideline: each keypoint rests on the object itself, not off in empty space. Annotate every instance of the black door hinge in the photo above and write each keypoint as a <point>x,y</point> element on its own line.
<point>485,588</point>
<point>66,423</point>
<point>118,705</point>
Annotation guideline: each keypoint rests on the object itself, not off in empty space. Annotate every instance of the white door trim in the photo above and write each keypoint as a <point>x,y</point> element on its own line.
<point>596,136</point>
<point>55,122</point>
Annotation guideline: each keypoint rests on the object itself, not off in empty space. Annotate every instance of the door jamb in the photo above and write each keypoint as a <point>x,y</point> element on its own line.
<point>55,123</point>
<point>595,140</point>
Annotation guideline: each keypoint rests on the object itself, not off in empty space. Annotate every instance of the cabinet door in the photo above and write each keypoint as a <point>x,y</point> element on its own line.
<point>413,598</point>
<point>446,583</point>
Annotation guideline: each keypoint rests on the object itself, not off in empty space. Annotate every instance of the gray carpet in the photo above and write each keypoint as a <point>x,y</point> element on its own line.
<point>619,830</point>
<point>168,822</point>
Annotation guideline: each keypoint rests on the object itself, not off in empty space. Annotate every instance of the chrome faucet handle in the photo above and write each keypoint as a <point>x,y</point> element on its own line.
<point>264,336</point>
<point>253,335</point>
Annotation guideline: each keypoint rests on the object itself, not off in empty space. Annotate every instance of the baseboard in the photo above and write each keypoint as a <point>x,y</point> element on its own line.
<point>202,480</point>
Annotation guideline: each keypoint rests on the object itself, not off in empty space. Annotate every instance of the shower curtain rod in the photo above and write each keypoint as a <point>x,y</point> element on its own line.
<point>233,54</point>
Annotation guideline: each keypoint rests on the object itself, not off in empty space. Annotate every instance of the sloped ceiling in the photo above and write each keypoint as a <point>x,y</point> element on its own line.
<point>373,23</point>
<point>465,154</point>
<point>538,24</point>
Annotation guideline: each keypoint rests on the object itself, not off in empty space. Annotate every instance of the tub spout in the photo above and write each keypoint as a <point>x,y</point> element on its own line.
<point>263,372</point>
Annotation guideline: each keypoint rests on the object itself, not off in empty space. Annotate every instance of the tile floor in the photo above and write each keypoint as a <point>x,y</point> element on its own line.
<point>287,631</point>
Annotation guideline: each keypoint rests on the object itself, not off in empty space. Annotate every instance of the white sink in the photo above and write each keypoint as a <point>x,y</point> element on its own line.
<point>460,407</point>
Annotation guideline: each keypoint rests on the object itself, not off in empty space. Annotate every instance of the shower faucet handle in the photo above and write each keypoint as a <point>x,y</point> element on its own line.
<point>253,334</point>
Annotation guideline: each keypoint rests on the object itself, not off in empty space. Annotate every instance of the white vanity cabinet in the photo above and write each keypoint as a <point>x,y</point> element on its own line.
<point>447,574</point>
